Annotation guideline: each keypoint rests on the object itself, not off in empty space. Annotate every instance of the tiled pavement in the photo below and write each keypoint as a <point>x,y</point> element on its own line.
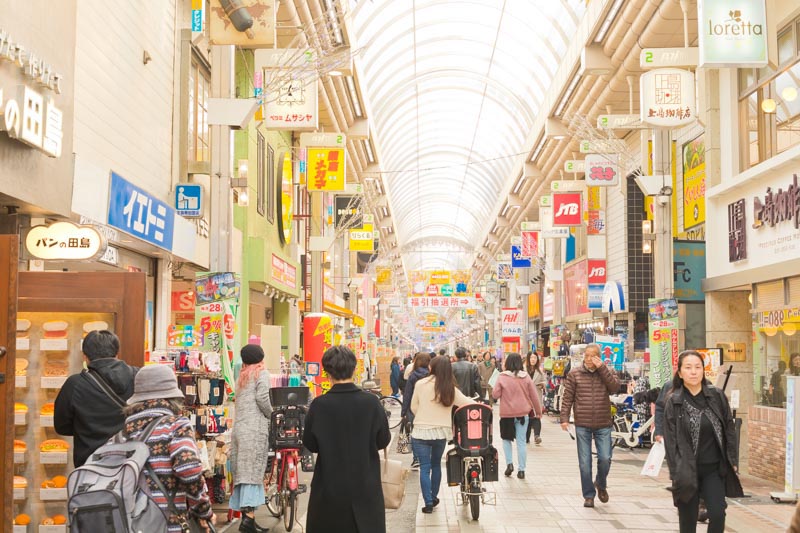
<point>549,500</point>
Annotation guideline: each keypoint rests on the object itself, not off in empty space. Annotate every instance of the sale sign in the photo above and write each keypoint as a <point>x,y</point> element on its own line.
<point>567,209</point>
<point>663,329</point>
<point>215,319</point>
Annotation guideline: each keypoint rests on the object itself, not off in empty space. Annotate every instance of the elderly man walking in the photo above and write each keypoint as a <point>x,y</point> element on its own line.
<point>586,393</point>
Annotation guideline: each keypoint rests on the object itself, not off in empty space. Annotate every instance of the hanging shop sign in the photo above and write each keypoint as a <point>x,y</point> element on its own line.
<point>139,213</point>
<point>512,321</point>
<point>594,296</point>
<point>567,185</point>
<point>689,269</point>
<point>285,194</point>
<point>348,211</point>
<point>574,165</point>
<point>596,271</point>
<point>529,243</point>
<point>383,279</point>
<point>598,146</point>
<point>668,57</point>
<point>245,23</point>
<point>64,241</point>
<point>663,326</point>
<point>213,287</point>
<point>732,34</point>
<point>712,360</point>
<point>363,239</point>
<point>619,122</point>
<point>548,230</point>
<point>667,98</point>
<point>467,302</point>
<point>575,287</point>
<point>737,231</point>
<point>613,297</point>
<point>439,277</point>
<point>694,183</point>
<point>189,200</point>
<point>326,169</point>
<point>567,209</point>
<point>518,260</point>
<point>287,102</point>
<point>602,170</point>
<point>283,272</point>
<point>504,271</point>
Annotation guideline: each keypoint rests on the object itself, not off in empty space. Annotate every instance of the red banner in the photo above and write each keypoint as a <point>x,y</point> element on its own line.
<point>567,209</point>
<point>530,244</point>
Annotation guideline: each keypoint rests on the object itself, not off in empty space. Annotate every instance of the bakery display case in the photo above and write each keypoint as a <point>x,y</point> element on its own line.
<point>51,325</point>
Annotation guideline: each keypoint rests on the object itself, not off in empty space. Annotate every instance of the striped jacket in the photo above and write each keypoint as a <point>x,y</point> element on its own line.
<point>174,457</point>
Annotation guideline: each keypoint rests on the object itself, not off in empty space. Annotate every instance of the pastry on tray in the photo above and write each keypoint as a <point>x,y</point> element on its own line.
<point>54,446</point>
<point>94,325</point>
<point>47,409</point>
<point>20,408</point>
<point>23,325</point>
<point>20,482</point>
<point>19,445</point>
<point>21,367</point>
<point>55,329</point>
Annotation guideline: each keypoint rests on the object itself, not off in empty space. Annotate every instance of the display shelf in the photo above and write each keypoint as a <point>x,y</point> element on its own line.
<point>53,529</point>
<point>53,458</point>
<point>20,419</point>
<point>21,382</point>
<point>53,345</point>
<point>23,344</point>
<point>20,458</point>
<point>19,494</point>
<point>20,529</point>
<point>53,382</point>
<point>46,421</point>
<point>47,495</point>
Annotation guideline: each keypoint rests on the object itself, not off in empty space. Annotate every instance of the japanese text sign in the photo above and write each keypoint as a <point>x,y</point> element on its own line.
<point>443,301</point>
<point>512,320</point>
<point>283,272</point>
<point>64,241</point>
<point>602,170</point>
<point>140,214</point>
<point>326,169</point>
<point>567,209</point>
<point>667,97</point>
<point>694,183</point>
<point>518,260</point>
<point>189,200</point>
<point>530,243</point>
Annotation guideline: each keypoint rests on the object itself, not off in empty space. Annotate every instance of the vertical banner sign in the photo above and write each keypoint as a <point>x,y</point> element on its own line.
<point>732,34</point>
<point>197,16</point>
<point>689,269</point>
<point>383,280</point>
<point>530,243</point>
<point>694,183</point>
<point>518,260</point>
<point>663,329</point>
<point>504,271</point>
<point>595,216</point>
<point>216,313</point>
<point>326,169</point>
<point>567,209</point>
<point>317,337</point>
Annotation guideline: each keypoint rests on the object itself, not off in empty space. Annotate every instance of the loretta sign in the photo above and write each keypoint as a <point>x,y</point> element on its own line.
<point>732,34</point>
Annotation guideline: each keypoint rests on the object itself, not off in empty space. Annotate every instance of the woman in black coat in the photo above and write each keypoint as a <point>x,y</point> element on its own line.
<point>700,441</point>
<point>346,427</point>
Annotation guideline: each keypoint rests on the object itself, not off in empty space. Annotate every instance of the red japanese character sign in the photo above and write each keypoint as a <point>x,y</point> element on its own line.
<point>602,170</point>
<point>567,209</point>
<point>326,169</point>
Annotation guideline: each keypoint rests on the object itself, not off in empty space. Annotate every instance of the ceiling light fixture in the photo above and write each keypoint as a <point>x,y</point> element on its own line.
<point>789,94</point>
<point>567,94</point>
<point>768,105</point>
<point>351,89</point>
<point>518,186</point>
<point>609,20</point>
<point>368,149</point>
<point>538,149</point>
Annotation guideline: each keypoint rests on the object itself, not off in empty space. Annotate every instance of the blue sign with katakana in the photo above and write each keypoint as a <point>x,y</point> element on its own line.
<point>189,200</point>
<point>517,259</point>
<point>139,213</point>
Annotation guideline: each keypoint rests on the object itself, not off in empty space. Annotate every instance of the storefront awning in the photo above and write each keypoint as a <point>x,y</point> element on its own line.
<point>337,310</point>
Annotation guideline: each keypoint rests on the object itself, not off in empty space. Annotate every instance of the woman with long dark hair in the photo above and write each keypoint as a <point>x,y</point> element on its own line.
<point>420,370</point>
<point>520,398</point>
<point>533,367</point>
<point>700,442</point>
<point>432,402</point>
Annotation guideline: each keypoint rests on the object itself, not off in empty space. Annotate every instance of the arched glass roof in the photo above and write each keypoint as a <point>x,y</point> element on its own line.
<point>454,88</point>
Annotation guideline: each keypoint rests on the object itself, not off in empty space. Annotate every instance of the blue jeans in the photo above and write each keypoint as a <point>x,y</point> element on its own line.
<point>429,453</point>
<point>521,430</point>
<point>602,441</point>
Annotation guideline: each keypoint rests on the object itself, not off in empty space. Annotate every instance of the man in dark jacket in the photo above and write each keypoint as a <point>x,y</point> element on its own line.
<point>86,407</point>
<point>468,379</point>
<point>586,389</point>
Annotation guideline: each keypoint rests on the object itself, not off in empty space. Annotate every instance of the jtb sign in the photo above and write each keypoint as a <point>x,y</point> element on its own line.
<point>567,209</point>
<point>137,213</point>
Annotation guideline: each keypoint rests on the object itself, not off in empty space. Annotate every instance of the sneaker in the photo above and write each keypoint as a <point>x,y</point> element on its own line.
<point>415,465</point>
<point>427,509</point>
<point>521,474</point>
<point>588,502</point>
<point>538,441</point>
<point>602,494</point>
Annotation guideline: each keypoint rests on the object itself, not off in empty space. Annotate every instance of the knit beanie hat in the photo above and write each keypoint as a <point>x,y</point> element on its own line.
<point>252,354</point>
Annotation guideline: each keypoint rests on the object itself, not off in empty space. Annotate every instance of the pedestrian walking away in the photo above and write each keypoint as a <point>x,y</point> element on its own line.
<point>421,363</point>
<point>466,373</point>
<point>519,401</point>
<point>700,442</point>
<point>432,404</point>
<point>250,437</point>
<point>586,395</point>
<point>394,377</point>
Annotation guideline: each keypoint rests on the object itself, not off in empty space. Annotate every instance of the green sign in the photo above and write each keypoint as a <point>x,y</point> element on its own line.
<point>663,322</point>
<point>446,289</point>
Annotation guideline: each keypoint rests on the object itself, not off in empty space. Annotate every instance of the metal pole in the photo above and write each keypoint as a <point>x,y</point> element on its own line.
<point>221,164</point>
<point>662,249</point>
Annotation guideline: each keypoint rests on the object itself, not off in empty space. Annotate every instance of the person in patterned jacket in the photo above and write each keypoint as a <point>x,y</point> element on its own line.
<point>174,456</point>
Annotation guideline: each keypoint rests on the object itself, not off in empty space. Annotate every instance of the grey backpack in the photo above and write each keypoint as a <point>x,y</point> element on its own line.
<point>110,493</point>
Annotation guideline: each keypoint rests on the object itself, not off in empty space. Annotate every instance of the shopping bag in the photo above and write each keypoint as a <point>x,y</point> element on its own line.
<point>393,481</point>
<point>404,439</point>
<point>493,377</point>
<point>655,459</point>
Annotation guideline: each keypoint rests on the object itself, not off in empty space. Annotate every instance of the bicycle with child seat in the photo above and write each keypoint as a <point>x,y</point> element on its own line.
<point>391,405</point>
<point>286,442</point>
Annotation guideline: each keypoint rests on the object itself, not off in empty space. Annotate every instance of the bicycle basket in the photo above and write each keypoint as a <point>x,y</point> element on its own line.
<point>286,426</point>
<point>472,428</point>
<point>288,396</point>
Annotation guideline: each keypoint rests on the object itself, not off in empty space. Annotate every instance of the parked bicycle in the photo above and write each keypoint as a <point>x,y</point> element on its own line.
<point>286,442</point>
<point>391,405</point>
<point>629,431</point>
<point>473,460</point>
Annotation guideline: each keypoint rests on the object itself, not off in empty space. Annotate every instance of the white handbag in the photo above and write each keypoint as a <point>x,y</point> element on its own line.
<point>393,481</point>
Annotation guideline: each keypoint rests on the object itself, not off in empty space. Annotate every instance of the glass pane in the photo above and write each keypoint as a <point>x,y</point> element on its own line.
<point>786,46</point>
<point>787,114</point>
<point>750,114</point>
<point>746,79</point>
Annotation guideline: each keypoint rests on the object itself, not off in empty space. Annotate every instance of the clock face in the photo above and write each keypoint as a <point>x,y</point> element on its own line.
<point>292,93</point>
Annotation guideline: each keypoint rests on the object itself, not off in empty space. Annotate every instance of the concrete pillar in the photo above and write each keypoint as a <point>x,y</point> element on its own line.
<point>221,164</point>
<point>662,248</point>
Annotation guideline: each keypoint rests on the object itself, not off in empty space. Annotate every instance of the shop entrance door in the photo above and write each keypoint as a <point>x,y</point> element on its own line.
<point>9,254</point>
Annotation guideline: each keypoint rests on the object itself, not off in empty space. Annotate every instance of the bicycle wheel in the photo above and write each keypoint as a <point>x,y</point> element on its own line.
<point>392,407</point>
<point>289,509</point>
<point>475,501</point>
<point>619,428</point>
<point>274,500</point>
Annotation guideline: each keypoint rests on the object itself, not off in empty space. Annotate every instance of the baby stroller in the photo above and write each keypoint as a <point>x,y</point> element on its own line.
<point>473,460</point>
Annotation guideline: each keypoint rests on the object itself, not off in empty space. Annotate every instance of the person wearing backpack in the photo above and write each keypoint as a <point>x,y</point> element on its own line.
<point>174,456</point>
<point>89,405</point>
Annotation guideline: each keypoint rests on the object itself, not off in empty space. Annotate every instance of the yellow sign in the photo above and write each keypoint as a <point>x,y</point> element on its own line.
<point>440,277</point>
<point>533,305</point>
<point>326,169</point>
<point>362,239</point>
<point>694,183</point>
<point>384,279</point>
<point>593,202</point>
<point>287,198</point>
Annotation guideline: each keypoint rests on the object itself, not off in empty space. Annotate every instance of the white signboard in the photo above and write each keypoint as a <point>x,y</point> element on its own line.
<point>667,98</point>
<point>668,57</point>
<point>64,241</point>
<point>512,321</point>
<point>732,34</point>
<point>548,230</point>
<point>292,105</point>
<point>602,170</point>
<point>597,146</point>
<point>567,186</point>
<point>466,302</point>
<point>574,165</point>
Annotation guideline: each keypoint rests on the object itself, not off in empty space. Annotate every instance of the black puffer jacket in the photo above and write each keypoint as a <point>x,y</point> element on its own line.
<point>86,413</point>
<point>681,457</point>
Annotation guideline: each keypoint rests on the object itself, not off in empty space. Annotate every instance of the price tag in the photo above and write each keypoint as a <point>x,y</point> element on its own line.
<point>53,345</point>
<point>53,458</point>
<point>52,494</point>
<point>53,382</point>
<point>735,399</point>
<point>21,382</point>
<point>23,344</point>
